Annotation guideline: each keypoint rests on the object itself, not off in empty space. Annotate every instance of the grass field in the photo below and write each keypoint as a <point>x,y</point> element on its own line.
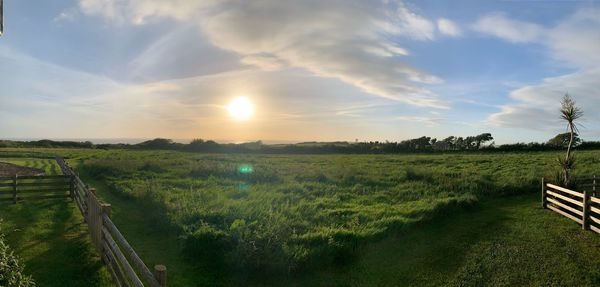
<point>50,237</point>
<point>340,220</point>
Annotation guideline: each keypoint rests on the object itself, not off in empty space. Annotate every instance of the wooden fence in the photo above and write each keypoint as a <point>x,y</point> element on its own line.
<point>17,188</point>
<point>123,263</point>
<point>581,207</point>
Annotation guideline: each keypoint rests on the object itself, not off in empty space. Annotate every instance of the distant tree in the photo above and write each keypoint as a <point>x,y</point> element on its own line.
<point>482,139</point>
<point>157,143</point>
<point>562,140</point>
<point>570,113</point>
<point>449,142</point>
<point>459,143</point>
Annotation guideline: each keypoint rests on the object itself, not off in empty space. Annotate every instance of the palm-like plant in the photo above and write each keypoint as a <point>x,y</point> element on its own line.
<point>571,114</point>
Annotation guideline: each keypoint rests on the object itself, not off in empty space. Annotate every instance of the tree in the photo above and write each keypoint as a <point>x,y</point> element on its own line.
<point>449,142</point>
<point>562,140</point>
<point>483,138</point>
<point>570,113</point>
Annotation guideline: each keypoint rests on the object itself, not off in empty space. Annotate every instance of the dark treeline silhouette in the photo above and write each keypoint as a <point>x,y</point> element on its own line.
<point>480,143</point>
<point>46,143</point>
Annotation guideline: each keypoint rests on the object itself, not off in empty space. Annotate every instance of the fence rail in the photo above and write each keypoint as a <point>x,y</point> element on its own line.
<point>581,207</point>
<point>123,263</point>
<point>15,188</point>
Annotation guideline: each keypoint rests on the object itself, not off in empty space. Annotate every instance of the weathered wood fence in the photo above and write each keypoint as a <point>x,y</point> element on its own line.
<point>581,207</point>
<point>17,188</point>
<point>123,263</point>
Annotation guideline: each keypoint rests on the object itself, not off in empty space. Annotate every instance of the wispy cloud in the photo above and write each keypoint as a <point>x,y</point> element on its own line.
<point>499,25</point>
<point>574,42</point>
<point>448,27</point>
<point>346,40</point>
<point>427,121</point>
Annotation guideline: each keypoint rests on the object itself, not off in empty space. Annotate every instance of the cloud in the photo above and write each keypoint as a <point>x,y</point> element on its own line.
<point>75,104</point>
<point>537,105</point>
<point>265,62</point>
<point>499,25</point>
<point>427,121</point>
<point>140,11</point>
<point>576,40</point>
<point>448,27</point>
<point>573,42</point>
<point>351,41</point>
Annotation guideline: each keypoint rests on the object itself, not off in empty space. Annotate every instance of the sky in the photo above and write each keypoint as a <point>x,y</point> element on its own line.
<point>319,70</point>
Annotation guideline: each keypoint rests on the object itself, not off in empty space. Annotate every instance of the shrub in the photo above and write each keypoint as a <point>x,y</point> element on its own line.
<point>207,243</point>
<point>11,270</point>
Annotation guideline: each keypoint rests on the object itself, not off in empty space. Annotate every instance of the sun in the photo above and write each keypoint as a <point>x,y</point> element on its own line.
<point>241,108</point>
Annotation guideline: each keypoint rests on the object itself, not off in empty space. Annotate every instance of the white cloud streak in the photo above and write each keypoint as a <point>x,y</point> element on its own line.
<point>574,43</point>
<point>345,40</point>
<point>499,25</point>
<point>448,27</point>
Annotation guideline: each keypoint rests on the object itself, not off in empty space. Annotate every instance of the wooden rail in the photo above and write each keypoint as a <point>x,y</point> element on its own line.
<point>589,183</point>
<point>581,207</point>
<point>17,188</point>
<point>123,263</point>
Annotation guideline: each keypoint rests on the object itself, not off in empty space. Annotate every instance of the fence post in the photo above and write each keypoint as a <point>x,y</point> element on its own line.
<point>594,187</point>
<point>586,214</point>
<point>15,188</point>
<point>160,273</point>
<point>106,209</point>
<point>94,219</point>
<point>544,202</point>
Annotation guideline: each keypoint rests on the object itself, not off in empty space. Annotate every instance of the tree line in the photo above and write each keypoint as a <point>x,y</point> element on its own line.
<point>481,143</point>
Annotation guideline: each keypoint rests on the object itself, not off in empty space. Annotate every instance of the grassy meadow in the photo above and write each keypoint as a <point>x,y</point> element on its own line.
<point>337,220</point>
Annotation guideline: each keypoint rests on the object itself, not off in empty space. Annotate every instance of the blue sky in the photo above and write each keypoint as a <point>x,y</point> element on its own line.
<point>314,69</point>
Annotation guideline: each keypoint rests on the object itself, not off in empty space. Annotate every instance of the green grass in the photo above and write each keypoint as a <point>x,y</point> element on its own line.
<point>53,243</point>
<point>502,242</point>
<point>297,212</point>
<point>47,165</point>
<point>50,237</point>
<point>342,220</point>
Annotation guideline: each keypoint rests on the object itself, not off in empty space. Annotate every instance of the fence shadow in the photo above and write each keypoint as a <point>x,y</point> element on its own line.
<point>53,243</point>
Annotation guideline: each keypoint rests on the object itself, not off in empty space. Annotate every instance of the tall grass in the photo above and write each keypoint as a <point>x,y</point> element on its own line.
<point>303,211</point>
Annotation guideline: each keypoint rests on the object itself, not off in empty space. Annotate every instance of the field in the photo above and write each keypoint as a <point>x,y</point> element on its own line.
<point>50,238</point>
<point>326,220</point>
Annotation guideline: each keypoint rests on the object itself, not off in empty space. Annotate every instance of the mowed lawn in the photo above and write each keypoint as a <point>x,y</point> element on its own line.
<point>50,237</point>
<point>52,241</point>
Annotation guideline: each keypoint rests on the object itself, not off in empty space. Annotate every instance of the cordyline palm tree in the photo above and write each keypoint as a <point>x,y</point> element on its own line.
<point>571,114</point>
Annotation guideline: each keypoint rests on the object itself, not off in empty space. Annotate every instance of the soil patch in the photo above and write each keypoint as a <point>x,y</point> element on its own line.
<point>9,169</point>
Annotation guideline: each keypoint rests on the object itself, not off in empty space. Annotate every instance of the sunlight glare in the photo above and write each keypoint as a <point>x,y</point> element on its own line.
<point>241,108</point>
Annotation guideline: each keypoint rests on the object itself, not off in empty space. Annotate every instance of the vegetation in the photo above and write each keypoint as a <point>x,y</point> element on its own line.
<point>480,143</point>
<point>562,140</point>
<point>280,214</point>
<point>510,241</point>
<point>322,220</point>
<point>11,270</point>
<point>570,113</point>
<point>49,236</point>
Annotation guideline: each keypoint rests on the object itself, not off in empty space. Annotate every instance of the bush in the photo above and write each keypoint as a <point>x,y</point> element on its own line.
<point>207,243</point>
<point>11,271</point>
